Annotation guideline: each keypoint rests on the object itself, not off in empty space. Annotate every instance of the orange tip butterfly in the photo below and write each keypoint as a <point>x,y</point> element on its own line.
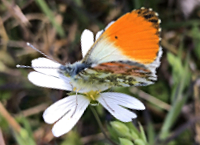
<point>126,53</point>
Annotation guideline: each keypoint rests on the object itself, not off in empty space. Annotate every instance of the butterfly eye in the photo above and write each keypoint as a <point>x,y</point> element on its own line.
<point>69,69</point>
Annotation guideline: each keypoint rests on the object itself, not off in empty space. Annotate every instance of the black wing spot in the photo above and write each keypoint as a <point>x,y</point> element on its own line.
<point>116,37</point>
<point>153,21</point>
<point>139,12</point>
<point>148,16</point>
<point>145,12</point>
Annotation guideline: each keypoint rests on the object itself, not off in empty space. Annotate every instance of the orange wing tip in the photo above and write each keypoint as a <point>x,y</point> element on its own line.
<point>118,40</point>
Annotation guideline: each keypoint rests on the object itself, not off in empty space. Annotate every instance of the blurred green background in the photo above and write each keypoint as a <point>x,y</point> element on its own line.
<point>54,27</point>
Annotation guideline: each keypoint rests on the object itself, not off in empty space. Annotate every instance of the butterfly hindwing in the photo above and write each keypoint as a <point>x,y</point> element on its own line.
<point>121,74</point>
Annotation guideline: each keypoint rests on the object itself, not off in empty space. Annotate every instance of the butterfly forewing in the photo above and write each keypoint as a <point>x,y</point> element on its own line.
<point>134,37</point>
<point>127,53</point>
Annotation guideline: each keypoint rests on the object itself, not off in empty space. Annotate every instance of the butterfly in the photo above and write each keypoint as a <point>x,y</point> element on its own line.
<point>126,53</point>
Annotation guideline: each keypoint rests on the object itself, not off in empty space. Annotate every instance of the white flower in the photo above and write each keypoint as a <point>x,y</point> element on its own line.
<point>66,112</point>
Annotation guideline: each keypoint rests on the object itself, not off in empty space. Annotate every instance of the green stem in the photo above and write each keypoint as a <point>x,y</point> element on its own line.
<point>101,125</point>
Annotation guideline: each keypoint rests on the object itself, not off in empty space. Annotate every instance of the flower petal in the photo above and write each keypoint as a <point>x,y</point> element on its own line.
<point>123,100</point>
<point>47,81</point>
<point>58,109</point>
<point>44,62</point>
<point>87,40</point>
<point>98,34</point>
<point>117,111</point>
<point>71,117</point>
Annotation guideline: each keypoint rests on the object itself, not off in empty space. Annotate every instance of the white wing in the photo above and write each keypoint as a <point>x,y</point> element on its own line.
<point>156,63</point>
<point>98,34</point>
<point>109,24</point>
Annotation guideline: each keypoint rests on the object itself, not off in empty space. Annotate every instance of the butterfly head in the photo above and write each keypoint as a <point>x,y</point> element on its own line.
<point>67,70</point>
<point>71,70</point>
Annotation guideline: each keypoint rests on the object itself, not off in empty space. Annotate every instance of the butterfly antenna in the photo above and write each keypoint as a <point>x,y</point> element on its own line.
<point>25,66</point>
<point>30,45</point>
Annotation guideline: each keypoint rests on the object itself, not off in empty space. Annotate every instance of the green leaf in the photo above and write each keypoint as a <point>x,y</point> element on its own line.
<point>180,99</point>
<point>142,134</point>
<point>150,133</point>
<point>23,138</point>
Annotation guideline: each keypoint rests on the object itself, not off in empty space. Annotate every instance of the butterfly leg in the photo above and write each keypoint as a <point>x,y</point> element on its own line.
<point>76,103</point>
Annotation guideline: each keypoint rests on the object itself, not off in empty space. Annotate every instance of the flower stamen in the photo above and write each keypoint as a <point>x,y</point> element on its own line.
<point>91,96</point>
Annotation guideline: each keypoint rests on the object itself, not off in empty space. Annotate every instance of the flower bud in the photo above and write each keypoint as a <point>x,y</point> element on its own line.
<point>134,135</point>
<point>121,129</point>
<point>124,141</point>
<point>139,142</point>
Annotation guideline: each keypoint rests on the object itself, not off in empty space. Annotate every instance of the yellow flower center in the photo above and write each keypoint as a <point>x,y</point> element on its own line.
<point>92,95</point>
